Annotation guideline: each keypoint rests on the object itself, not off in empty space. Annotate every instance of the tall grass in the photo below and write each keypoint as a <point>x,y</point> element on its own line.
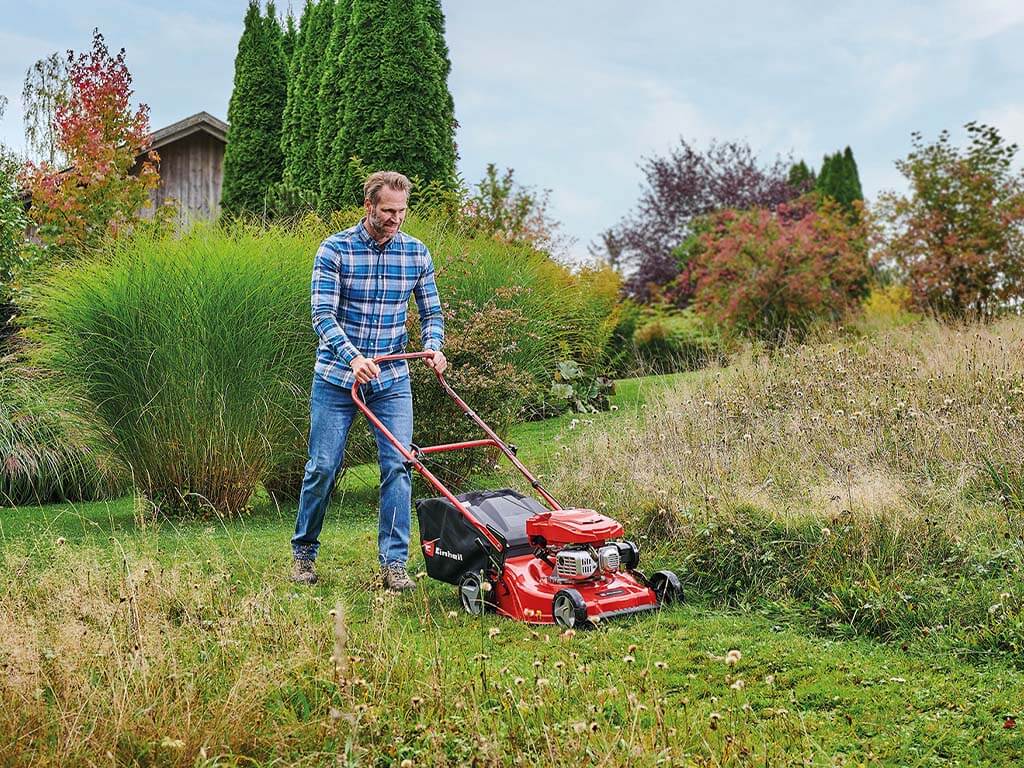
<point>873,479</point>
<point>190,350</point>
<point>49,449</point>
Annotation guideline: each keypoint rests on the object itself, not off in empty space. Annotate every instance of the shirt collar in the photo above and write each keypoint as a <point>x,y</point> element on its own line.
<point>364,233</point>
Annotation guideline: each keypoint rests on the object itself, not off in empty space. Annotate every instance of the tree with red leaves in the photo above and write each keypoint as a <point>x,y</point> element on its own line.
<point>772,273</point>
<point>957,240</point>
<point>679,190</point>
<point>96,196</point>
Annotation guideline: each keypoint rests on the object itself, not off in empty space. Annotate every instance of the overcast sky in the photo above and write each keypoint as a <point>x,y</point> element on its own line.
<point>573,94</point>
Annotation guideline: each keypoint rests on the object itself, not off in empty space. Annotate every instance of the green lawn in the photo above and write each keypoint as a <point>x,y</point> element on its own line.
<point>185,644</point>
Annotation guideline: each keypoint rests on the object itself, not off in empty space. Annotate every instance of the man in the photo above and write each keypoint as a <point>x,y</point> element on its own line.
<point>362,280</point>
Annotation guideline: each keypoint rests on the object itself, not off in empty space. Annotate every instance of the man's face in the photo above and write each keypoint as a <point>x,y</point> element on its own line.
<point>386,216</point>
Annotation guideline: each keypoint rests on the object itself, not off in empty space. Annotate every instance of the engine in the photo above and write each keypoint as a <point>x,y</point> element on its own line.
<point>580,563</point>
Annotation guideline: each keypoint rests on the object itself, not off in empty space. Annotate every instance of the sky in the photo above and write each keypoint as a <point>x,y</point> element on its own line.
<point>574,94</point>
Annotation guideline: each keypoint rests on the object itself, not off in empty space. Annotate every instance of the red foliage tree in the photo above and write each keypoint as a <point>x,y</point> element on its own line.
<point>957,239</point>
<point>772,273</point>
<point>96,196</point>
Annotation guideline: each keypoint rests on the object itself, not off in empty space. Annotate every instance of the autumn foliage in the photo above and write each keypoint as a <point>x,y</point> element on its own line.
<point>957,238</point>
<point>770,273</point>
<point>96,196</point>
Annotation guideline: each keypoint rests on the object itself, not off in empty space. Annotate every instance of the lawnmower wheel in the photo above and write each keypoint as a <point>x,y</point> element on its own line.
<point>569,609</point>
<point>666,587</point>
<point>475,601</point>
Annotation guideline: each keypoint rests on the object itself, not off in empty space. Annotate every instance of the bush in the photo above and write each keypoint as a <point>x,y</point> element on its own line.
<point>51,451</point>
<point>191,350</point>
<point>769,274</point>
<point>680,341</point>
<point>197,352</point>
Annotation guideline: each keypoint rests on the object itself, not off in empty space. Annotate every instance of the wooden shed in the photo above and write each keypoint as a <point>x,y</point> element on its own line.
<point>191,166</point>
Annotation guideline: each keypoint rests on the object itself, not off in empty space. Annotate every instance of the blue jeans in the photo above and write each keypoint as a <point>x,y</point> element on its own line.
<point>331,414</point>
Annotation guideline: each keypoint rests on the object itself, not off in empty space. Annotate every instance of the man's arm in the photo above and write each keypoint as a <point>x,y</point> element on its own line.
<point>325,296</point>
<point>431,315</point>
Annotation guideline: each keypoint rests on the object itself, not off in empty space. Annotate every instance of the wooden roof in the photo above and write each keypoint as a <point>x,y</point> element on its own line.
<point>201,121</point>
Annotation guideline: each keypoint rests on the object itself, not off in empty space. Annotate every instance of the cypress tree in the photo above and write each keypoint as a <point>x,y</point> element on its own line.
<point>332,107</point>
<point>853,190</point>
<point>365,100</point>
<point>801,178</point>
<point>300,141</point>
<point>290,123</point>
<point>435,18</point>
<point>252,159</point>
<point>288,41</point>
<point>839,179</point>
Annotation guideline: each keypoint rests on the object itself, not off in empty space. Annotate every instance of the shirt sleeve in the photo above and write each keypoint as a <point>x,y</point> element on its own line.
<point>429,305</point>
<point>325,299</point>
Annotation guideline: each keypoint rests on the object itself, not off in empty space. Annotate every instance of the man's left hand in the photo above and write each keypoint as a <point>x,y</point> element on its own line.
<point>438,361</point>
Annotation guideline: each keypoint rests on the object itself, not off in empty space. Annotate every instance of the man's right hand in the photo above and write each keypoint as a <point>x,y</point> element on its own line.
<point>364,369</point>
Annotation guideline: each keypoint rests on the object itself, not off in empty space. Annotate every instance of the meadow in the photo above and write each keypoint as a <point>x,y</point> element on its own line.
<point>846,517</point>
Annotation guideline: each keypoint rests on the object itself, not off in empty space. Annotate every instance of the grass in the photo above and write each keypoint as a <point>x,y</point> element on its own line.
<point>184,644</point>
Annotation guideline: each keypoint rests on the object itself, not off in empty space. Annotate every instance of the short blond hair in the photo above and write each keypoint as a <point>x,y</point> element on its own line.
<point>375,182</point>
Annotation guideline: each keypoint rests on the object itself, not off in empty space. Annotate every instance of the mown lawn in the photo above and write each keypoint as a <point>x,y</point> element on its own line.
<point>125,641</point>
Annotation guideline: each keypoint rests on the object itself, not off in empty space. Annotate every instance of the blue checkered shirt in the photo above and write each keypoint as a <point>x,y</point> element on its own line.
<point>360,299</point>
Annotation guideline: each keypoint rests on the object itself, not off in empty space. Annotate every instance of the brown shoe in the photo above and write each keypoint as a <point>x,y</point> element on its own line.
<point>303,571</point>
<point>395,578</point>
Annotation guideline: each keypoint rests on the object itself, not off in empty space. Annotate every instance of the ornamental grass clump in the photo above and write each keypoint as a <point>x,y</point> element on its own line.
<point>190,350</point>
<point>50,450</point>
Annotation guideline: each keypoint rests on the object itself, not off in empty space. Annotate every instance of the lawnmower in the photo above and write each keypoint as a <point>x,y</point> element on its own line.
<point>510,554</point>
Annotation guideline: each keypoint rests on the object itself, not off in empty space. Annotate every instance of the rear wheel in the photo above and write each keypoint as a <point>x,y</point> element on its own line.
<point>666,587</point>
<point>569,609</point>
<point>475,594</point>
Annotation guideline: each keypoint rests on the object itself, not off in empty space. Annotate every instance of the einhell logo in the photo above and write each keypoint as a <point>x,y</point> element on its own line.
<point>428,547</point>
<point>450,555</point>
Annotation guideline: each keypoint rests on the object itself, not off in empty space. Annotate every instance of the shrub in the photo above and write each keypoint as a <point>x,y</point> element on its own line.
<point>197,352</point>
<point>680,341</point>
<point>191,351</point>
<point>768,273</point>
<point>50,451</point>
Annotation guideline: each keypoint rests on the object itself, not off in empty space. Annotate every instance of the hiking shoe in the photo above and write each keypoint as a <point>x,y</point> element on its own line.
<point>303,571</point>
<point>395,578</point>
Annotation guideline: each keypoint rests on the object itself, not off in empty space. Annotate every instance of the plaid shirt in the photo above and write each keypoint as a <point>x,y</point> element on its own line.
<point>360,299</point>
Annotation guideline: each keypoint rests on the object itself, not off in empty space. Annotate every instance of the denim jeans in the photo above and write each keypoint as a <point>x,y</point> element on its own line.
<point>331,413</point>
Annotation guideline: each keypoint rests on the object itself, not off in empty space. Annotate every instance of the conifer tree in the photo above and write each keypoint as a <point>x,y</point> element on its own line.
<point>362,84</point>
<point>288,41</point>
<point>290,122</point>
<point>300,145</point>
<point>839,179</point>
<point>332,107</point>
<point>801,178</point>
<point>252,160</point>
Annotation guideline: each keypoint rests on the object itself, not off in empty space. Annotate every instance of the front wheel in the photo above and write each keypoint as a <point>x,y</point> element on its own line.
<point>666,587</point>
<point>569,610</point>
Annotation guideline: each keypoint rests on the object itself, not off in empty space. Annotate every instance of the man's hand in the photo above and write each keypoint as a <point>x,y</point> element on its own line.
<point>438,361</point>
<point>364,369</point>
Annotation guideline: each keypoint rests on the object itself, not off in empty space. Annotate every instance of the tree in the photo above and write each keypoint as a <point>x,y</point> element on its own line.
<point>839,179</point>
<point>681,188</point>
<point>98,195</point>
<point>503,209</point>
<point>396,113</point>
<point>771,273</point>
<point>252,160</point>
<point>45,89</point>
<point>332,108</point>
<point>801,178</point>
<point>12,233</point>
<point>957,238</point>
<point>300,132</point>
<point>289,38</point>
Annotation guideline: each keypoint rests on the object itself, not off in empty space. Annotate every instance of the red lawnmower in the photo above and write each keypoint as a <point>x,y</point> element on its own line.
<point>509,553</point>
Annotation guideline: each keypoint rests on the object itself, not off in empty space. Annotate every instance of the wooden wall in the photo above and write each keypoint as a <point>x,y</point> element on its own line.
<point>191,171</point>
